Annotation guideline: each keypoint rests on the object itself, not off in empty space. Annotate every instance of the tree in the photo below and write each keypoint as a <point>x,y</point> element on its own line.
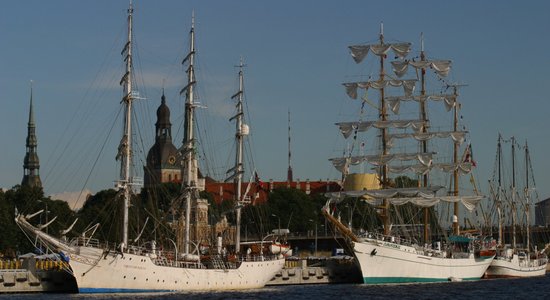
<point>293,208</point>
<point>29,200</point>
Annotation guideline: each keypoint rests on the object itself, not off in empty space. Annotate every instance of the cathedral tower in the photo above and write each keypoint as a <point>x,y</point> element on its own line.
<point>163,160</point>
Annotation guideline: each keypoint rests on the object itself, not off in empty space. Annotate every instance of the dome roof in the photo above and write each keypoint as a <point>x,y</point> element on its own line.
<point>163,155</point>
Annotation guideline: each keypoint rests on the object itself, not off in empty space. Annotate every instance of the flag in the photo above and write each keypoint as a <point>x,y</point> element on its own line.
<point>468,157</point>
<point>257,180</point>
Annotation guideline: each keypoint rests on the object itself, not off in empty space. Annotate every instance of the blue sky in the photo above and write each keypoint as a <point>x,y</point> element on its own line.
<point>297,57</point>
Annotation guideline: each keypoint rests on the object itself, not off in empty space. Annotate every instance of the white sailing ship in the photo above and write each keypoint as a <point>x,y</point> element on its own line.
<point>512,260</point>
<point>395,255</point>
<point>128,268</point>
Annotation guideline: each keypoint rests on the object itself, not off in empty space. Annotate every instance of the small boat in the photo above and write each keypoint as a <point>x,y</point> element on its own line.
<point>278,248</point>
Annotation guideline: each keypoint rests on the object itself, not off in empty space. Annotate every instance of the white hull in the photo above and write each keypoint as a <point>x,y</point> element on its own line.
<point>387,262</point>
<point>96,272</point>
<point>504,267</point>
<point>99,271</point>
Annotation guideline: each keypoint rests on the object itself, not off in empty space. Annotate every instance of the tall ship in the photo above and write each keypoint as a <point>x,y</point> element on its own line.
<point>514,259</point>
<point>408,152</point>
<point>124,266</point>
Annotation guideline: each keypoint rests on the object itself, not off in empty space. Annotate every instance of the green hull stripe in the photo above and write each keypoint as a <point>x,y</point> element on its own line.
<point>382,280</point>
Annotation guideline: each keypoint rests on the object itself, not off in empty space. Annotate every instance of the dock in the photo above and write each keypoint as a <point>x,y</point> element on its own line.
<point>322,270</point>
<point>32,275</point>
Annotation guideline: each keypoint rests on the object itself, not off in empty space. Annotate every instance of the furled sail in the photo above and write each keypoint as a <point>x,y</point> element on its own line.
<point>469,202</point>
<point>428,191</point>
<point>421,169</point>
<point>423,197</point>
<point>342,163</point>
<point>456,136</point>
<point>441,67</point>
<point>359,52</point>
<point>408,86</point>
<point>346,128</point>
<point>394,102</point>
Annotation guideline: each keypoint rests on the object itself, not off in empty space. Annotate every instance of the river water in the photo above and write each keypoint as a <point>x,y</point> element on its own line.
<point>530,288</point>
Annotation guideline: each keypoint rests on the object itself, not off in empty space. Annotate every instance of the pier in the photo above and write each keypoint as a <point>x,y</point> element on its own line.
<point>318,270</point>
<point>31,275</point>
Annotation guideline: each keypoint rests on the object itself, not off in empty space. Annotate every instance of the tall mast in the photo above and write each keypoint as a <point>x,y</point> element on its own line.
<point>456,207</point>
<point>190,164</point>
<point>289,172</point>
<point>241,131</point>
<point>527,200</point>
<point>424,144</point>
<point>126,143</point>
<point>499,195</point>
<point>513,193</point>
<point>383,116</point>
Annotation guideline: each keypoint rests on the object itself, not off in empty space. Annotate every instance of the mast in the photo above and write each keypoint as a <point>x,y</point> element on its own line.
<point>383,116</point>
<point>456,207</point>
<point>499,200</point>
<point>513,193</point>
<point>527,201</point>
<point>241,131</point>
<point>190,164</point>
<point>424,144</point>
<point>289,172</point>
<point>126,143</point>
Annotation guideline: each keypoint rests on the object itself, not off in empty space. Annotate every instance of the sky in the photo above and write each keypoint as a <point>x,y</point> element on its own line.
<point>296,56</point>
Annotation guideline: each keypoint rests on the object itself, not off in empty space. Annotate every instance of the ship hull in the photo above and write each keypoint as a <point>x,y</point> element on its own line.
<point>384,262</point>
<point>98,272</point>
<point>509,268</point>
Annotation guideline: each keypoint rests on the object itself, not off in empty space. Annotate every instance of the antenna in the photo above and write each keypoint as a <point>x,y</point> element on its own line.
<point>289,172</point>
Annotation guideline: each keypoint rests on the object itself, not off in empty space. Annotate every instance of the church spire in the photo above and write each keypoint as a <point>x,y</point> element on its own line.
<point>31,164</point>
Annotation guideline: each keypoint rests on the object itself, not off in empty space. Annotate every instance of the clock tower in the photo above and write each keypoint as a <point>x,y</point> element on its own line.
<point>163,159</point>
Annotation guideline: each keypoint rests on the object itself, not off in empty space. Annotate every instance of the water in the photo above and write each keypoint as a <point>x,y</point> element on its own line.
<point>529,288</point>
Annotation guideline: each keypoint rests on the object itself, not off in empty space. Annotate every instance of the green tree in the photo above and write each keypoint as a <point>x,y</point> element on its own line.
<point>293,208</point>
<point>28,200</point>
<point>101,208</point>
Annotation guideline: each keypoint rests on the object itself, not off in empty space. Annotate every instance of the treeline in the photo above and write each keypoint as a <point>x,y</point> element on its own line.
<point>151,213</point>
